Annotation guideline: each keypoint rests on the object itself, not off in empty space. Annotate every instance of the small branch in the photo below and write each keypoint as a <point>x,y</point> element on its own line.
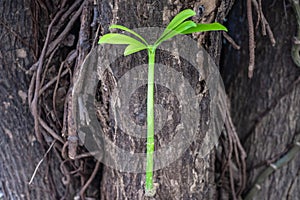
<point>251,39</point>
<point>265,27</point>
<point>55,92</point>
<point>65,17</point>
<point>231,41</point>
<point>41,161</point>
<point>64,150</point>
<point>34,103</point>
<point>47,66</point>
<point>284,160</point>
<point>234,196</point>
<point>69,60</point>
<point>230,148</point>
<point>49,130</point>
<point>66,179</point>
<point>52,81</point>
<point>235,147</point>
<point>89,154</point>
<point>72,134</point>
<point>239,152</point>
<point>259,10</point>
<point>65,32</point>
<point>31,89</point>
<point>83,189</point>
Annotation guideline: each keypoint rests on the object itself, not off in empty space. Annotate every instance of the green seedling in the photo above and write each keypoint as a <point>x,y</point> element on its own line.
<point>179,25</point>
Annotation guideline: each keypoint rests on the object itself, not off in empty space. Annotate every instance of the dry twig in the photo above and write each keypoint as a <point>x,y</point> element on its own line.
<point>41,161</point>
<point>34,103</point>
<point>83,189</point>
<point>231,41</point>
<point>251,39</point>
<point>284,160</point>
<point>234,161</point>
<point>266,30</point>
<point>42,85</point>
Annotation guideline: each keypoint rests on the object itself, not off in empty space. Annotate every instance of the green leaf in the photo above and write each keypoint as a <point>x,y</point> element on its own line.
<point>129,31</point>
<point>130,49</point>
<point>178,19</point>
<point>205,27</point>
<point>178,30</point>
<point>115,38</point>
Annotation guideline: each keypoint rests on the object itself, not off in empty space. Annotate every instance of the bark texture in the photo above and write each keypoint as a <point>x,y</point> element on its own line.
<point>23,36</point>
<point>190,177</point>
<point>19,150</point>
<point>266,108</point>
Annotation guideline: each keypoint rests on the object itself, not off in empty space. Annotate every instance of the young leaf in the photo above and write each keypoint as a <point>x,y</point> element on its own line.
<point>178,19</point>
<point>129,31</point>
<point>179,29</point>
<point>115,38</point>
<point>205,27</point>
<point>130,49</point>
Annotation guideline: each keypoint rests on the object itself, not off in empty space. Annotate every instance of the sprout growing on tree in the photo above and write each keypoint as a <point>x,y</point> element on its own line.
<point>179,25</point>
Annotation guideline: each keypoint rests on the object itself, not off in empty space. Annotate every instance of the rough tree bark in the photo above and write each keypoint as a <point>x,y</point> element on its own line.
<point>189,177</point>
<point>266,108</point>
<point>19,150</point>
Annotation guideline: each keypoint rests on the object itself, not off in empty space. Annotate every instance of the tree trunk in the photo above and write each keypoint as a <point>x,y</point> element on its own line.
<point>19,150</point>
<point>266,108</point>
<point>189,177</point>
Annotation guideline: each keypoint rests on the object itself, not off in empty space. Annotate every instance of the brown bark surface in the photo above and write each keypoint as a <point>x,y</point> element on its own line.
<point>19,150</point>
<point>190,177</point>
<point>266,108</point>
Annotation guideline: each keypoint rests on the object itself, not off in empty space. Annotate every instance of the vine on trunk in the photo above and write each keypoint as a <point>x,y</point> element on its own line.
<point>52,78</point>
<point>49,95</point>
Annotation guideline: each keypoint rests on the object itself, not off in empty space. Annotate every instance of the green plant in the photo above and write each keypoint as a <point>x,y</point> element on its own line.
<point>179,25</point>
